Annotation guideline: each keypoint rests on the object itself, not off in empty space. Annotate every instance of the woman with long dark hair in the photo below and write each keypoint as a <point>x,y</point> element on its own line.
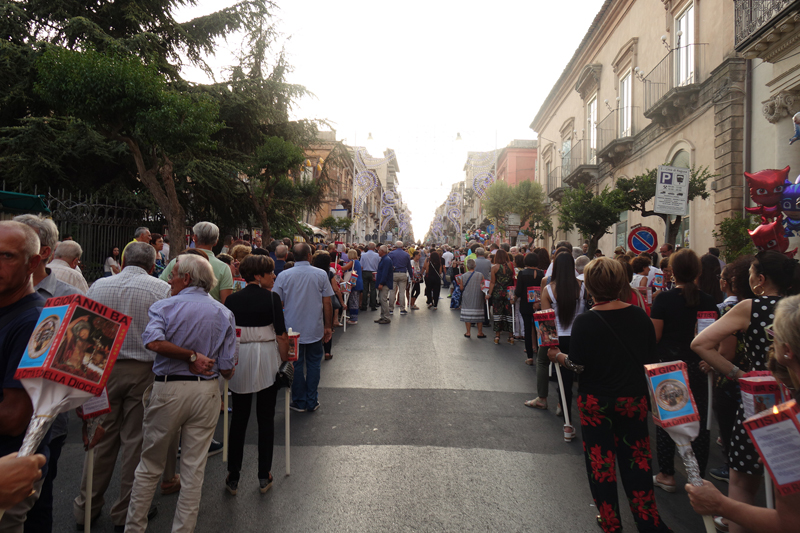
<point>709,277</point>
<point>674,316</point>
<point>434,271</point>
<point>772,277</point>
<point>502,278</point>
<point>564,295</point>
<point>322,260</point>
<point>529,277</point>
<point>111,267</point>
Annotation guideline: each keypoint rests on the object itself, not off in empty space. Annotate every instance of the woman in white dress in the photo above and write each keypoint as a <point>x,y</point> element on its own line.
<point>263,344</point>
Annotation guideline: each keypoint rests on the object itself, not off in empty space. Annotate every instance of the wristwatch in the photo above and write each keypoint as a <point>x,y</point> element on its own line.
<point>193,357</point>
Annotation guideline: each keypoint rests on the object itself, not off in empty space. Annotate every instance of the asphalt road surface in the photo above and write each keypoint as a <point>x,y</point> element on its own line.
<point>419,429</point>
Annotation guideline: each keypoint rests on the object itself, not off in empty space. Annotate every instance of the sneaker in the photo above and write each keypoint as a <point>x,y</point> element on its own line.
<point>391,312</point>
<point>721,474</point>
<point>312,409</point>
<point>214,448</point>
<point>403,312</point>
<point>352,322</point>
<point>293,407</point>
<point>231,486</point>
<point>265,484</point>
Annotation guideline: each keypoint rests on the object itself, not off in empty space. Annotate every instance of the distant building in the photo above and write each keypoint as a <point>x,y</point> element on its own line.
<point>517,162</point>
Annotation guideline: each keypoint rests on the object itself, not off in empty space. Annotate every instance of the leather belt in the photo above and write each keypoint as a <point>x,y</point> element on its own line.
<point>181,378</point>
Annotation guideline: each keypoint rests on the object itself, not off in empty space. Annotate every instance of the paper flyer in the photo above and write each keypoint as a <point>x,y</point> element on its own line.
<point>705,319</point>
<point>671,396</point>
<point>776,434</point>
<point>760,392</point>
<point>510,291</point>
<point>546,332</point>
<point>534,294</point>
<point>95,406</point>
<point>75,342</point>
<point>239,284</point>
<point>658,281</point>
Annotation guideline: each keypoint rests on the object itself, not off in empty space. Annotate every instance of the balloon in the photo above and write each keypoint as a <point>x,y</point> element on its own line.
<point>766,187</point>
<point>768,236</point>
<point>790,205</point>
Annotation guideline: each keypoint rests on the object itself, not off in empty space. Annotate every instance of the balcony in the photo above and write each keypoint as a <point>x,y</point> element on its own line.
<point>579,165</point>
<point>555,189</point>
<point>763,28</point>
<point>671,89</point>
<point>615,135</point>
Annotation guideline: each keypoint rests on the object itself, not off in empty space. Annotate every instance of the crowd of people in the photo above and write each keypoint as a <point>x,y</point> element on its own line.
<point>203,318</point>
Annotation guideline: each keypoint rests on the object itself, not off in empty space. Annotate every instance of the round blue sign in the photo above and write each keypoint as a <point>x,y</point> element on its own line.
<point>642,239</point>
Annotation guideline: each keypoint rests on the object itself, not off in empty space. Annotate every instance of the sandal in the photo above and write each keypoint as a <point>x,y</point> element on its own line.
<point>467,335</point>
<point>663,486</point>
<point>328,357</point>
<point>569,435</point>
<point>511,340</point>
<point>481,336</point>
<point>497,340</point>
<point>529,362</point>
<point>537,403</point>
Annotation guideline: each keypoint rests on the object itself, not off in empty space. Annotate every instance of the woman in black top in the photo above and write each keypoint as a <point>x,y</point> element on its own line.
<point>608,347</point>
<point>528,278</point>
<point>322,260</point>
<point>674,316</point>
<point>263,343</point>
<point>434,270</point>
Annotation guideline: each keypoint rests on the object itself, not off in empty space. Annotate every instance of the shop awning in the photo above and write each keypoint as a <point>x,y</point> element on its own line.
<point>15,202</point>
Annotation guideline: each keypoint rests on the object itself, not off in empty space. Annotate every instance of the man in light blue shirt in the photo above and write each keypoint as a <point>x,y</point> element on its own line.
<point>306,295</point>
<point>369,265</point>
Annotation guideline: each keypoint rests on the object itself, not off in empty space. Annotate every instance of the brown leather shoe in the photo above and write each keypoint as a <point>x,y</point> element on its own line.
<point>172,486</point>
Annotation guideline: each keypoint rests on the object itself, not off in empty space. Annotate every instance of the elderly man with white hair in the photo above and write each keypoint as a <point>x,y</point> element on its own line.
<point>65,259</point>
<point>205,236</point>
<point>403,269</point>
<point>194,338</point>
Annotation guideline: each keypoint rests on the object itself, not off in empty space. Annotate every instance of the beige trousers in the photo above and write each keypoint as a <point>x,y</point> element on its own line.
<point>123,432</point>
<point>193,408</point>
<point>383,297</point>
<point>13,520</point>
<point>400,280</point>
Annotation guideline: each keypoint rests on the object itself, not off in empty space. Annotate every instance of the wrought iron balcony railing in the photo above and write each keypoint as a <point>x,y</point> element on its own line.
<point>681,68</point>
<point>753,17</point>
<point>615,133</point>
<point>554,181</point>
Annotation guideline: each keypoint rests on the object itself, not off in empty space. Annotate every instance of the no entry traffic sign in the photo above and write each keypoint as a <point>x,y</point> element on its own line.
<point>642,239</point>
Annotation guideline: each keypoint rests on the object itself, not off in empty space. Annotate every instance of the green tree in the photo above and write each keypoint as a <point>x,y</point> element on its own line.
<point>591,213</point>
<point>336,225</point>
<point>732,232</point>
<point>638,191</point>
<point>529,205</point>
<point>498,201</point>
<point>130,102</point>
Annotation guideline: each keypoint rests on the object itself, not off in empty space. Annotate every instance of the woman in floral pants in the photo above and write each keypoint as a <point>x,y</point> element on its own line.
<point>612,397</point>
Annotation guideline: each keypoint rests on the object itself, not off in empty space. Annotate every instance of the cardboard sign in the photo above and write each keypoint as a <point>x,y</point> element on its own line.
<point>510,291</point>
<point>760,392</point>
<point>294,344</point>
<point>75,342</point>
<point>546,331</point>
<point>239,284</point>
<point>94,407</point>
<point>705,319</point>
<point>658,281</point>
<point>238,342</point>
<point>345,287</point>
<point>534,294</point>
<point>672,399</point>
<point>486,284</point>
<point>776,434</point>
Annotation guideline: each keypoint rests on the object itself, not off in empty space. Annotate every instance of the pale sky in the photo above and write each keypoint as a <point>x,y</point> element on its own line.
<point>416,73</point>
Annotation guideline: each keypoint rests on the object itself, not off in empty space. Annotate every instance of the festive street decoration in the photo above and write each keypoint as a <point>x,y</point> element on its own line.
<point>483,170</point>
<point>453,210</point>
<point>771,237</point>
<point>388,201</point>
<point>774,192</point>
<point>366,180</point>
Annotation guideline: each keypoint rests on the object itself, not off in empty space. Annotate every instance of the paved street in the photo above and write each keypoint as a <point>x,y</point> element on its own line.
<point>419,429</point>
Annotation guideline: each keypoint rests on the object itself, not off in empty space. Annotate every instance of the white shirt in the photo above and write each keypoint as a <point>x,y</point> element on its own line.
<point>448,257</point>
<point>131,292</point>
<point>110,262</point>
<point>67,274</point>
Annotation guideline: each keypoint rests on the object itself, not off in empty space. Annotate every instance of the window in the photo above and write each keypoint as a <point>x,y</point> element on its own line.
<point>684,47</point>
<point>591,128</point>
<point>681,159</point>
<point>625,106</point>
<point>622,230</point>
<point>566,156</point>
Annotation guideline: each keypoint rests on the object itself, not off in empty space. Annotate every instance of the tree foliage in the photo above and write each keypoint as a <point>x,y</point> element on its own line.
<point>638,191</point>
<point>498,202</point>
<point>732,232</point>
<point>592,214</point>
<point>525,199</point>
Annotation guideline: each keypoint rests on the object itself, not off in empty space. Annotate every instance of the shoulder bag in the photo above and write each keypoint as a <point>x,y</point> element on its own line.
<point>285,375</point>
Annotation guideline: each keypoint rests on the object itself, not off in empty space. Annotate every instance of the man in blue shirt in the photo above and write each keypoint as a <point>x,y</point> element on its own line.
<point>383,278</point>
<point>306,295</point>
<point>369,265</point>
<point>20,307</point>
<point>402,270</point>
